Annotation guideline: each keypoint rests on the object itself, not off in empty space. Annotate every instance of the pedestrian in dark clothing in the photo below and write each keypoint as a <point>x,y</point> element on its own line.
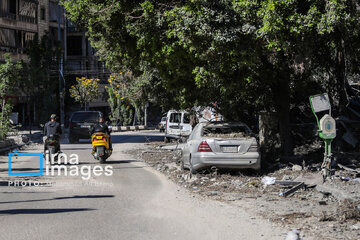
<point>52,128</point>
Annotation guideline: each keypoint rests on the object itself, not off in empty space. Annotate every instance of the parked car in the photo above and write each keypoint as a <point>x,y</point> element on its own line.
<point>177,125</point>
<point>161,125</point>
<point>221,145</point>
<point>81,123</point>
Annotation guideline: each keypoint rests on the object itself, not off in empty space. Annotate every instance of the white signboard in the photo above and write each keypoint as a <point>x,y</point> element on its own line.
<point>320,103</point>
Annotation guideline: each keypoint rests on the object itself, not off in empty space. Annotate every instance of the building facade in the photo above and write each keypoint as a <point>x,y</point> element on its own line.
<point>21,21</point>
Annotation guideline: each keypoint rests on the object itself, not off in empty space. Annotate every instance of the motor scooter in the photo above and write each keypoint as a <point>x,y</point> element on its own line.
<point>52,147</point>
<point>100,146</point>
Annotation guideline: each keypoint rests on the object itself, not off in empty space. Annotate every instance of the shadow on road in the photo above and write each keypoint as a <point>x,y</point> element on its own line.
<point>136,138</point>
<point>60,198</point>
<point>43,211</point>
<point>15,169</point>
<point>4,183</point>
<point>120,161</point>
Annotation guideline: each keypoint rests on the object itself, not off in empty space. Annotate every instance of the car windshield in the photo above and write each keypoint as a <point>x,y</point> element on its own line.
<point>85,117</point>
<point>226,131</point>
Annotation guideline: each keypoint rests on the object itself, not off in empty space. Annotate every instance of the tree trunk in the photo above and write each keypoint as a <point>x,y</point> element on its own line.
<point>28,108</point>
<point>340,71</point>
<point>281,92</point>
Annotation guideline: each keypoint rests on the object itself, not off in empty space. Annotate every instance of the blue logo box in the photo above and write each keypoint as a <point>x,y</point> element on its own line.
<point>18,154</point>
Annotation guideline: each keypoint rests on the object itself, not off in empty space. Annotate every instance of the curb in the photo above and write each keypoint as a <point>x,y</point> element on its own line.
<point>132,128</point>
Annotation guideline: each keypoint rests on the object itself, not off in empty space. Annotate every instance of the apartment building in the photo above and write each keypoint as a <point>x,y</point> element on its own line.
<point>23,20</point>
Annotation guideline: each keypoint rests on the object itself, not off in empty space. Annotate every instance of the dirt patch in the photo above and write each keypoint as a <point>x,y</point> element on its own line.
<point>316,213</point>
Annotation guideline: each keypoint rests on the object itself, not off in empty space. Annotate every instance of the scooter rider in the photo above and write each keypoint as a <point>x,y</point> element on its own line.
<point>101,126</point>
<point>52,128</point>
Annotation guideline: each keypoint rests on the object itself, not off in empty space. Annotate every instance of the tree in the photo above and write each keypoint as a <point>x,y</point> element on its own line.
<point>40,79</point>
<point>10,73</point>
<point>85,91</point>
<point>245,55</point>
<point>121,111</point>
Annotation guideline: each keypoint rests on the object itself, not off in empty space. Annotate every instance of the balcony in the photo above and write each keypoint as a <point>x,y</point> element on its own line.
<point>27,19</point>
<point>8,15</point>
<point>18,17</point>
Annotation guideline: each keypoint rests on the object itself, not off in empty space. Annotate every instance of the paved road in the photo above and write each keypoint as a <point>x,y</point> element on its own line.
<point>134,203</point>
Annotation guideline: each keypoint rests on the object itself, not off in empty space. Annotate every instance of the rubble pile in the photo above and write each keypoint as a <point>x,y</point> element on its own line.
<point>316,208</point>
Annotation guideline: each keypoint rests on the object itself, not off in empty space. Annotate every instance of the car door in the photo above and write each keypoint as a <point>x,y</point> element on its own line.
<point>173,124</point>
<point>185,127</point>
<point>189,146</point>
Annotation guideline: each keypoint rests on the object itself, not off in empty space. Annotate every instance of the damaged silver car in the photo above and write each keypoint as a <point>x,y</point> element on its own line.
<point>221,145</point>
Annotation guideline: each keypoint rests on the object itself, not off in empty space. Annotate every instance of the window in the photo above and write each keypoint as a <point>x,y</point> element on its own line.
<point>12,6</point>
<point>186,118</point>
<point>42,13</point>
<point>175,117</point>
<point>7,37</point>
<point>85,117</point>
<point>74,45</point>
<point>224,130</point>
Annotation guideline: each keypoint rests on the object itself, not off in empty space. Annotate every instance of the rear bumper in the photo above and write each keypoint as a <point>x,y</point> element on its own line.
<point>250,160</point>
<point>82,133</point>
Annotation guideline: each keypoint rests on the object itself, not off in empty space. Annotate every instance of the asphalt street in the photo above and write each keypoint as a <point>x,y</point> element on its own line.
<point>135,202</point>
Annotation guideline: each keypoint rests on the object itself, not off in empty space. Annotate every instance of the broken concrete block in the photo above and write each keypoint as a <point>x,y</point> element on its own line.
<point>296,168</point>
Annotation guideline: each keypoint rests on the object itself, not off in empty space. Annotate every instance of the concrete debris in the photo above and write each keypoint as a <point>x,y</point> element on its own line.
<point>245,188</point>
<point>296,168</point>
<point>212,193</point>
<point>268,180</point>
<point>293,235</point>
<point>292,190</point>
<point>348,169</point>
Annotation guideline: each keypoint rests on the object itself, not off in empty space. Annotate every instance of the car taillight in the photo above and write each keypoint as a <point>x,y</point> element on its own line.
<point>204,147</point>
<point>253,148</point>
<point>52,141</point>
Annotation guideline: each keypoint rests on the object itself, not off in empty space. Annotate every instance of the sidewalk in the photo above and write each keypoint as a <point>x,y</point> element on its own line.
<point>18,139</point>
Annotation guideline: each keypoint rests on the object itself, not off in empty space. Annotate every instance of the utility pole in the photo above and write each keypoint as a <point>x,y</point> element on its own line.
<point>145,113</point>
<point>61,77</point>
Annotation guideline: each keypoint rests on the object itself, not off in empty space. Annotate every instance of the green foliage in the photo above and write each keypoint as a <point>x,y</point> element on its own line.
<point>85,90</point>
<point>10,73</point>
<point>40,81</point>
<point>245,55</point>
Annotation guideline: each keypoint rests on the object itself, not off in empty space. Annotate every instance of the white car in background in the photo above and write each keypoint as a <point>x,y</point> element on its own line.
<point>177,125</point>
<point>161,125</point>
<point>221,145</point>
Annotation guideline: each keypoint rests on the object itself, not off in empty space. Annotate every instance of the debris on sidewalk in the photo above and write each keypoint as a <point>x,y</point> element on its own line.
<point>296,186</point>
<point>304,200</point>
<point>293,235</point>
<point>268,180</point>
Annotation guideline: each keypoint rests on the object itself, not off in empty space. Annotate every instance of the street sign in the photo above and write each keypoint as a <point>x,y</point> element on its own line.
<point>320,103</point>
<point>327,127</point>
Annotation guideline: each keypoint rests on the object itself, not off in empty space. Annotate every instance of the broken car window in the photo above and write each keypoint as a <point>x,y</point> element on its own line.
<point>226,131</point>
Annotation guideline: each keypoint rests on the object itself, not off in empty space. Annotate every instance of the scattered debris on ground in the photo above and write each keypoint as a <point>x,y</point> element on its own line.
<point>292,195</point>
